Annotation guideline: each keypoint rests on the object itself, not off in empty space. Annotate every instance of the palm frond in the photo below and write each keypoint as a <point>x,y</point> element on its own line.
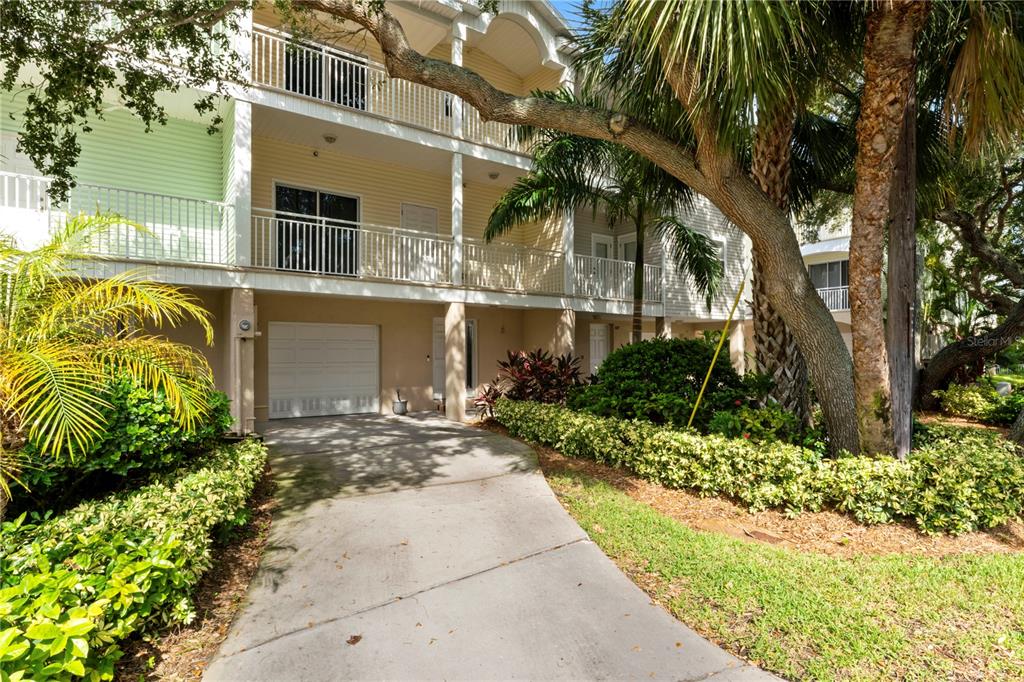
<point>179,371</point>
<point>984,99</point>
<point>123,301</point>
<point>745,55</point>
<point>694,253</point>
<point>53,390</point>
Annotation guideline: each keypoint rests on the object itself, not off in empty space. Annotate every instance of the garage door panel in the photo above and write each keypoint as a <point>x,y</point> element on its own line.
<point>322,369</point>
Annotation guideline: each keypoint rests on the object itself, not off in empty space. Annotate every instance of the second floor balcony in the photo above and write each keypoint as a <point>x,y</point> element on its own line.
<point>166,229</point>
<point>347,80</point>
<point>836,299</point>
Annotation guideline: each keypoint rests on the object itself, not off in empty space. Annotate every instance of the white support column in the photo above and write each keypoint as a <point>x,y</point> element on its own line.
<point>737,346</point>
<point>564,342</point>
<point>662,328</point>
<point>458,107</point>
<point>569,250</point>
<point>239,358</point>
<point>457,251</point>
<point>238,157</point>
<point>239,194</point>
<point>455,361</point>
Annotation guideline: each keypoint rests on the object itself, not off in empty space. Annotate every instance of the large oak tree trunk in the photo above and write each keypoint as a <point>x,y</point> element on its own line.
<point>1017,430</point>
<point>889,67</point>
<point>940,369</point>
<point>735,194</point>
<point>775,348</point>
<point>902,281</point>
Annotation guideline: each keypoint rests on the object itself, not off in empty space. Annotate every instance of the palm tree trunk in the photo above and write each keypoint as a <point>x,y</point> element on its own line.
<point>889,68</point>
<point>638,278</point>
<point>775,348</point>
<point>902,279</point>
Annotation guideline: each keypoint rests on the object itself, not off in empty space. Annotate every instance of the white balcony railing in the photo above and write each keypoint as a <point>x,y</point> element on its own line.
<point>498,265</point>
<point>835,298</point>
<point>301,243</point>
<point>611,279</point>
<point>180,229</point>
<point>354,82</point>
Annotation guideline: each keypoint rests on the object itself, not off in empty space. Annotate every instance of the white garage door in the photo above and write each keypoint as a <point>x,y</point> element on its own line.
<point>319,369</point>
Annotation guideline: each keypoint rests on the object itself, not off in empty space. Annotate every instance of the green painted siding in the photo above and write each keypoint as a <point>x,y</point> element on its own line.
<point>227,149</point>
<point>179,158</point>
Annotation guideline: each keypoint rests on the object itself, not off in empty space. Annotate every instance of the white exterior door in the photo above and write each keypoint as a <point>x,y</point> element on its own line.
<point>601,245</point>
<point>599,345</point>
<point>627,248</point>
<point>437,359</point>
<point>321,369</point>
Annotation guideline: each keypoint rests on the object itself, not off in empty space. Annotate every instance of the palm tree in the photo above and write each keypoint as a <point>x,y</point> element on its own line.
<point>747,73</point>
<point>62,337</point>
<point>571,172</point>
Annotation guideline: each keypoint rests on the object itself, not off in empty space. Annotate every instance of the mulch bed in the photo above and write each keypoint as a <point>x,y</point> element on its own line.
<point>824,532</point>
<point>183,652</point>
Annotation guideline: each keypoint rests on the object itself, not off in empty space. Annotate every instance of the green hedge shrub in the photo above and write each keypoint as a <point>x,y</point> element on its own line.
<point>957,480</point>
<point>658,380</point>
<point>141,435</point>
<point>73,586</point>
<point>980,402</point>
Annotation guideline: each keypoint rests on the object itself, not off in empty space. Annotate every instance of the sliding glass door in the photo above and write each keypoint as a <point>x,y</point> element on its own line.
<point>317,231</point>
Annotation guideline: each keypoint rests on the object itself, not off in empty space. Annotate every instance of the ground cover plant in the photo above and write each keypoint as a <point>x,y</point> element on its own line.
<point>810,616</point>
<point>980,401</point>
<point>73,586</point>
<point>955,480</point>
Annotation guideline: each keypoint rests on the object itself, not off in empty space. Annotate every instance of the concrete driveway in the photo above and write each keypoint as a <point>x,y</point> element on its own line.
<point>415,548</point>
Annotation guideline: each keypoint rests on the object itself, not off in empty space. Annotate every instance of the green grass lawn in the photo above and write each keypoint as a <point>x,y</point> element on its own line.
<point>811,616</point>
<point>1016,380</point>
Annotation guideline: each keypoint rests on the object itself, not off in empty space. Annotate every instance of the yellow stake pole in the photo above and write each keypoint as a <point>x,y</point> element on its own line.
<point>721,341</point>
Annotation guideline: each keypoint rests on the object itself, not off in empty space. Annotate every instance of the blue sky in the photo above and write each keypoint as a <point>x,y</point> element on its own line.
<point>567,9</point>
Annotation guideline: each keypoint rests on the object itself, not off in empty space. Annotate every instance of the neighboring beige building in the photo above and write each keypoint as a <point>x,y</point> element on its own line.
<point>334,226</point>
<point>828,264</point>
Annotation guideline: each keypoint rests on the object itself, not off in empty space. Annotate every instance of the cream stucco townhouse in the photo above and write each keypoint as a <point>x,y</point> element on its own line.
<point>333,226</point>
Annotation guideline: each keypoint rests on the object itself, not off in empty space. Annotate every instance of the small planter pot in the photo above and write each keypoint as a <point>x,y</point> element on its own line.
<point>400,406</point>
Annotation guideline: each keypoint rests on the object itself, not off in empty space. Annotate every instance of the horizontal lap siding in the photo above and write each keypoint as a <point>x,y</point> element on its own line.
<point>381,187</point>
<point>681,298</point>
<point>492,71</point>
<point>179,158</point>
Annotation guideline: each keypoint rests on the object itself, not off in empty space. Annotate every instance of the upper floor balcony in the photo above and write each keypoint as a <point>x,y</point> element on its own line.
<point>836,299</point>
<point>166,229</point>
<point>355,82</point>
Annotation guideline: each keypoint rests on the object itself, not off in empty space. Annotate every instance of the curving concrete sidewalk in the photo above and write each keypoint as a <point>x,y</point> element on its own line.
<point>417,548</point>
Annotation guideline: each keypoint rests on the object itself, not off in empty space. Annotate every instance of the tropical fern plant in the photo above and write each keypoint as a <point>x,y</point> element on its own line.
<point>63,336</point>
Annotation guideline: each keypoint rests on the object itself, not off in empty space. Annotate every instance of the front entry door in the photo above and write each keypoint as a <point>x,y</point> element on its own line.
<point>599,344</point>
